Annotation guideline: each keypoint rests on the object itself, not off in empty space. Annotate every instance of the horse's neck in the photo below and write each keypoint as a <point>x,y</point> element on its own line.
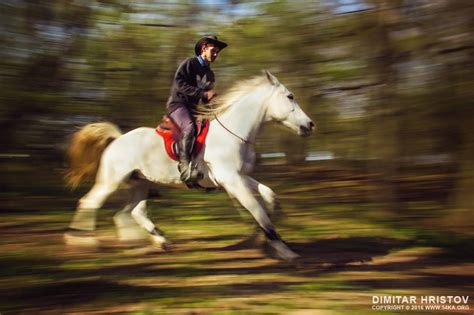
<point>246,116</point>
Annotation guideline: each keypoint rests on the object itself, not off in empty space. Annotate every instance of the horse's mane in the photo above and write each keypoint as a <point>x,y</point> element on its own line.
<point>221,104</point>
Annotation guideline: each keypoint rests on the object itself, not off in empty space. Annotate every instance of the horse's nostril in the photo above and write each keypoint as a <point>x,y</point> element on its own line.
<point>305,130</point>
<point>311,125</point>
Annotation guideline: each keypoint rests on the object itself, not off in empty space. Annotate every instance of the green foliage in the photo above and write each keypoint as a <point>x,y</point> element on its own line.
<point>388,84</point>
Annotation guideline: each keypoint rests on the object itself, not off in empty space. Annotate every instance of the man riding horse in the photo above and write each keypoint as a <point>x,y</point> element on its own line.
<point>193,82</point>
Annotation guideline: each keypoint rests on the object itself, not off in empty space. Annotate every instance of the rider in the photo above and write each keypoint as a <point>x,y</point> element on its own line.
<point>193,82</point>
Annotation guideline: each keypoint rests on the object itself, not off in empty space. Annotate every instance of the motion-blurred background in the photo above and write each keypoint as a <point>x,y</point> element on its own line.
<point>389,84</point>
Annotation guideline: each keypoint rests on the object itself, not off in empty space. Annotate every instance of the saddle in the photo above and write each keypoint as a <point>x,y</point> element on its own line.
<point>170,132</point>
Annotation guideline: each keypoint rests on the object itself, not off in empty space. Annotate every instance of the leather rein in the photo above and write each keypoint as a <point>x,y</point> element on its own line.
<point>230,131</point>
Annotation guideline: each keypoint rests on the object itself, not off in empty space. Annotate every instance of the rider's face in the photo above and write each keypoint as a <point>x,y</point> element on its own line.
<point>209,53</point>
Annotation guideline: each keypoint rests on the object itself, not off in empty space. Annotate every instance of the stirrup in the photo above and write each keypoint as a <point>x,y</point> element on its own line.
<point>194,177</point>
<point>195,183</point>
<point>185,172</point>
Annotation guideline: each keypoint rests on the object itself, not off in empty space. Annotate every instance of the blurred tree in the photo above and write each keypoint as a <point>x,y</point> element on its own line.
<point>461,80</point>
<point>38,40</point>
<point>387,82</point>
<point>383,137</point>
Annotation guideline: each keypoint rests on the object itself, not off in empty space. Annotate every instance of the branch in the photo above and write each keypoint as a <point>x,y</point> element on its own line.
<point>455,49</point>
<point>158,25</point>
<point>352,87</point>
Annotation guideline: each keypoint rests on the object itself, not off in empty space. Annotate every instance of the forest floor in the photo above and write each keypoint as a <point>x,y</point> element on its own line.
<point>350,253</point>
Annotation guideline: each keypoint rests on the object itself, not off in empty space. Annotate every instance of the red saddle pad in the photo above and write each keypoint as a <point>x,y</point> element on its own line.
<point>167,130</point>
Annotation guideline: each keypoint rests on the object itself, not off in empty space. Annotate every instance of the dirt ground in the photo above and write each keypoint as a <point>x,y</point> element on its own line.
<point>211,271</point>
<point>351,253</point>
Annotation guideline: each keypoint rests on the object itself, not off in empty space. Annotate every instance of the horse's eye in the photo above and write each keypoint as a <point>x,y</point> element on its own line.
<point>291,96</point>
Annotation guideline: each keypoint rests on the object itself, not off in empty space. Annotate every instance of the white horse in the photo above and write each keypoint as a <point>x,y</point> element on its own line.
<point>228,157</point>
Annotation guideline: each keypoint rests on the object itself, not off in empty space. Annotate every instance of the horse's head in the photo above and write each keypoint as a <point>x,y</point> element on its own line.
<point>283,108</point>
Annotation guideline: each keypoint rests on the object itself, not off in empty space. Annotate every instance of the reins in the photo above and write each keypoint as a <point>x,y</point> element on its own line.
<point>230,131</point>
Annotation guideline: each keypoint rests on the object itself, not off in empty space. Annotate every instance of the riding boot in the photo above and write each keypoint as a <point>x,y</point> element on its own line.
<point>185,146</point>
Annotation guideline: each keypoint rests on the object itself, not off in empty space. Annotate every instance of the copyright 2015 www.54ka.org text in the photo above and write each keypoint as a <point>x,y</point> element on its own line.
<point>420,303</point>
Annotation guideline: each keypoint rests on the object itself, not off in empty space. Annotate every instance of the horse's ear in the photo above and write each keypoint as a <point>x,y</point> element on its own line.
<point>271,78</point>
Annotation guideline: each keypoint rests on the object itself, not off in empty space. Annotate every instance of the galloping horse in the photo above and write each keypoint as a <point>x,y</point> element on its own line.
<point>228,157</point>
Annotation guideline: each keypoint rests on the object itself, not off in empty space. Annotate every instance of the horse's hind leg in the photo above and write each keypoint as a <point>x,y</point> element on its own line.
<point>85,216</point>
<point>84,219</point>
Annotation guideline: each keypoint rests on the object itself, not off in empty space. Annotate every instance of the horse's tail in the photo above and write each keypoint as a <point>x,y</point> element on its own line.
<point>85,150</point>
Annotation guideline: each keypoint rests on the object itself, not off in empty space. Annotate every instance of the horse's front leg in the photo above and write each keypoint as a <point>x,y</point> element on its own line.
<point>267,194</point>
<point>239,187</point>
<point>272,206</point>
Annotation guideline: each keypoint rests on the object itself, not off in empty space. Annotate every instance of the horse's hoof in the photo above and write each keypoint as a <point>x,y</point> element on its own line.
<point>283,251</point>
<point>166,246</point>
<point>81,239</point>
<point>162,242</point>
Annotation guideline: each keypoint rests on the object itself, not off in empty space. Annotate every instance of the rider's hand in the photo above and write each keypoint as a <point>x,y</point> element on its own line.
<point>209,95</point>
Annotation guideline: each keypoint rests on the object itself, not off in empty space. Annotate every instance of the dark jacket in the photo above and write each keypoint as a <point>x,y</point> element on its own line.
<point>190,82</point>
